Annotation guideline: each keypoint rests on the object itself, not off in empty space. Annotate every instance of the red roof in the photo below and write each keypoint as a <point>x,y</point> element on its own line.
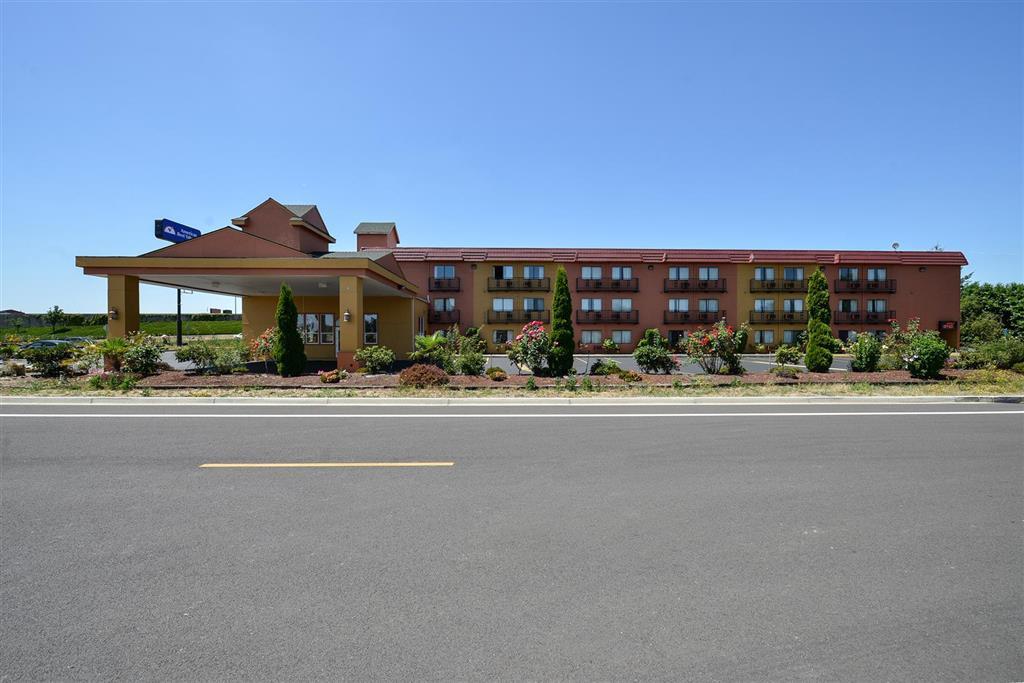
<point>915,258</point>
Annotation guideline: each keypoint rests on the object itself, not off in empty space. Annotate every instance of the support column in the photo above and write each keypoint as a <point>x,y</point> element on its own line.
<point>350,336</point>
<point>122,305</point>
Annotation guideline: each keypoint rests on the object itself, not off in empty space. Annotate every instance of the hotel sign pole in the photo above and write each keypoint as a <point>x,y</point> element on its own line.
<point>179,317</point>
<point>173,231</point>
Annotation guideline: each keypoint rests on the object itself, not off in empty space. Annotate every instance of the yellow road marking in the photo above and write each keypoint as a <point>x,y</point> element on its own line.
<point>324,464</point>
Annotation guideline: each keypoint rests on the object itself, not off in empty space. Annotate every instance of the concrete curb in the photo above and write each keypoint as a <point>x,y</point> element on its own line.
<point>639,400</point>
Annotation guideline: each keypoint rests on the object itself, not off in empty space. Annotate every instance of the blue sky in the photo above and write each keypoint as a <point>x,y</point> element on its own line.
<point>762,125</point>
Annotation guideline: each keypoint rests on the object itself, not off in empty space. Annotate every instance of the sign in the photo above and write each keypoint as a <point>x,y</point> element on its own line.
<point>167,229</point>
<point>947,324</point>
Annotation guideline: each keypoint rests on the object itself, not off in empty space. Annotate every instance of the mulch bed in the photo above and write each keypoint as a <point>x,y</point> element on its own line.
<point>188,380</point>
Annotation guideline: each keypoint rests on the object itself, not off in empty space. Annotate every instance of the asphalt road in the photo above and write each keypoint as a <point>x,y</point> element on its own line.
<point>840,542</point>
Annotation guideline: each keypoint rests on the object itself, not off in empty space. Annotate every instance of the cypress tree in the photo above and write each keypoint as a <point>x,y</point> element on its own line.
<point>288,351</point>
<point>817,299</point>
<point>563,343</point>
<point>818,356</point>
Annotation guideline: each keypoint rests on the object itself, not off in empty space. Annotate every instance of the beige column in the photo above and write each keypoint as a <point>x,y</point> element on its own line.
<point>350,306</point>
<point>122,305</point>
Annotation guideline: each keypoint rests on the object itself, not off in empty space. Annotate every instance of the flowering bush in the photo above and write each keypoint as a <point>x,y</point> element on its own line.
<point>867,351</point>
<point>262,347</point>
<point>717,350</point>
<point>332,376</point>
<point>530,347</point>
<point>928,354</point>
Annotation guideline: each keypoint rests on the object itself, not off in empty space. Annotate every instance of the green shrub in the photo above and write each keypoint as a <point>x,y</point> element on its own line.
<point>985,327</point>
<point>1000,354</point>
<point>289,352</point>
<point>717,350</point>
<point>785,371</point>
<point>652,353</point>
<point>570,384</point>
<point>787,355</point>
<point>562,341</point>
<point>435,349</point>
<point>51,361</point>
<point>610,346</point>
<point>141,355</point>
<point>422,375</point>
<point>867,352</point>
<point>1018,368</point>
<point>817,299</point>
<point>630,376</point>
<point>229,357</point>
<point>376,359</point>
<point>587,384</point>
<point>471,363</point>
<point>499,375</point>
<point>199,352</point>
<point>605,366</point>
<point>928,355</point>
<point>113,380</point>
<point>110,352</point>
<point>818,357</point>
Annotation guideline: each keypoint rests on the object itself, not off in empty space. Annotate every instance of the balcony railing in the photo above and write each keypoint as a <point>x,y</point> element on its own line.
<point>607,285</point>
<point>872,317</point>
<point>444,317</point>
<point>865,286</point>
<point>447,284</point>
<point>694,285</point>
<point>778,285</point>
<point>621,317</point>
<point>676,317</point>
<point>521,284</point>
<point>778,316</point>
<point>518,316</point>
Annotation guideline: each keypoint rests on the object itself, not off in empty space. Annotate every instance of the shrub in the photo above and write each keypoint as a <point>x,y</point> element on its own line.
<point>51,361</point>
<point>984,327</point>
<point>375,359</point>
<point>435,349</point>
<point>1018,368</point>
<point>818,357</point>
<point>471,363</point>
<point>605,367</point>
<point>110,351</point>
<point>867,352</point>
<point>785,371</point>
<point>562,342</point>
<point>12,369</point>
<point>570,384</point>
<point>787,355</point>
<point>288,350</point>
<point>610,346</point>
<point>817,299</point>
<point>530,347</point>
<point>630,376</point>
<point>499,375</point>
<point>199,352</point>
<point>261,348</point>
<point>652,353</point>
<point>113,380</point>
<point>531,384</point>
<point>229,357</point>
<point>928,355</point>
<point>999,354</point>
<point>141,355</point>
<point>422,375</point>
<point>587,384</point>
<point>332,376</point>
<point>717,350</point>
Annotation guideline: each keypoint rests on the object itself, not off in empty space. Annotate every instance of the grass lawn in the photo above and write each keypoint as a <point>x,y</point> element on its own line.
<point>157,328</point>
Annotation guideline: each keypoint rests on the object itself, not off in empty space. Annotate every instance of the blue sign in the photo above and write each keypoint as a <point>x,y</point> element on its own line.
<point>174,232</point>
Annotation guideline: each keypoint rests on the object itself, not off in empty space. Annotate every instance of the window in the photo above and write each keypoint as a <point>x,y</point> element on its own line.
<point>502,336</point>
<point>679,305</point>
<point>844,335</point>
<point>316,328</point>
<point>591,304</point>
<point>848,305</point>
<point>591,272</point>
<point>764,273</point>
<point>370,328</point>
<point>764,337</point>
<point>708,305</point>
<point>792,274</point>
<point>876,274</point>
<point>502,272</point>
<point>677,338</point>
<point>444,304</point>
<point>848,274</point>
<point>877,306</point>
<point>791,337</point>
<point>444,272</point>
<point>708,273</point>
<point>501,305</point>
<point>679,273</point>
<point>421,326</point>
<point>533,304</point>
<point>622,273</point>
<point>622,305</point>
<point>793,305</point>
<point>622,336</point>
<point>533,272</point>
<point>590,337</point>
<point>764,305</point>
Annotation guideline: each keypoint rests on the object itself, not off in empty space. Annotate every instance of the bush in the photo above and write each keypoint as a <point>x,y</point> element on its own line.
<point>605,367</point>
<point>1000,354</point>
<point>652,354</point>
<point>51,361</point>
<point>375,359</point>
<point>610,346</point>
<point>717,350</point>
<point>110,351</point>
<point>928,355</point>
<point>435,349</point>
<point>499,375</point>
<point>261,348</point>
<point>229,357</point>
<point>630,376</point>
<point>867,352</point>
<point>818,357</point>
<point>563,343</point>
<point>531,384</point>
<point>141,355</point>
<point>787,355</point>
<point>1018,368</point>
<point>817,299</point>
<point>422,375</point>
<point>113,380</point>
<point>785,371</point>
<point>530,347</point>
<point>985,327</point>
<point>12,369</point>
<point>289,352</point>
<point>200,353</point>
<point>471,363</point>
<point>332,376</point>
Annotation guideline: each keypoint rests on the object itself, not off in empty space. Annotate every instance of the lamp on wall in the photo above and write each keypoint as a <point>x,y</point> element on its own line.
<point>346,316</point>
<point>112,314</point>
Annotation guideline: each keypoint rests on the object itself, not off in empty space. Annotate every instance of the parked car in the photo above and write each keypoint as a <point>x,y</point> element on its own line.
<point>43,344</point>
<point>77,341</point>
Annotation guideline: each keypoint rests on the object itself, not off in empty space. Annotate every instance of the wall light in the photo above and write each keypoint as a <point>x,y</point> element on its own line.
<point>346,316</point>
<point>112,314</point>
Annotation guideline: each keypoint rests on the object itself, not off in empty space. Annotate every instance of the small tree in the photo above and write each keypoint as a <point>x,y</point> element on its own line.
<point>817,298</point>
<point>289,353</point>
<point>55,317</point>
<point>562,341</point>
<point>652,353</point>
<point>818,357</point>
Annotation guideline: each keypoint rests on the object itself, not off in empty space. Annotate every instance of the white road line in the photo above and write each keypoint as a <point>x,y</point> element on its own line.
<point>503,416</point>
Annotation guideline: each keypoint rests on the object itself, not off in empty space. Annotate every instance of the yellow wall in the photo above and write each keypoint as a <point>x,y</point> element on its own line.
<point>745,298</point>
<point>122,296</point>
<point>482,298</point>
<point>396,322</point>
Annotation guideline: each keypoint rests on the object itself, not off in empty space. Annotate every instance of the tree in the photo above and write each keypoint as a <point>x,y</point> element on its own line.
<point>289,353</point>
<point>1004,301</point>
<point>562,342</point>
<point>817,298</point>
<point>55,317</point>
<point>818,357</point>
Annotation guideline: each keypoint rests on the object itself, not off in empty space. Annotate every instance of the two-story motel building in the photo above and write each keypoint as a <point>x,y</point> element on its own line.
<point>382,293</point>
